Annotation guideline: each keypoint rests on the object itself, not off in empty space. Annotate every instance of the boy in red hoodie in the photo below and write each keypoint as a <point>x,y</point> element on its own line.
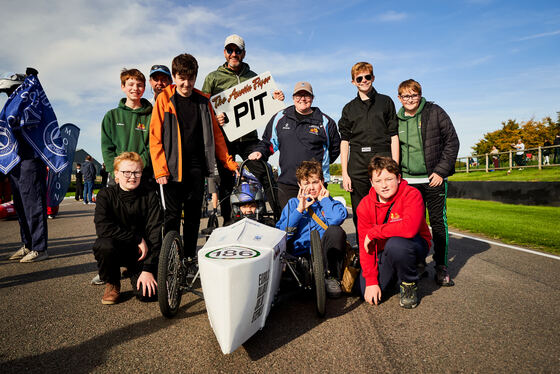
<point>393,234</point>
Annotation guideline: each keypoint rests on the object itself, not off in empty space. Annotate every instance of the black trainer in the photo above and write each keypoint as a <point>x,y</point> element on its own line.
<point>442,276</point>
<point>409,298</point>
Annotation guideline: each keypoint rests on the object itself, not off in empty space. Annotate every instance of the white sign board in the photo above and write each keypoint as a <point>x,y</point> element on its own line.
<point>248,106</point>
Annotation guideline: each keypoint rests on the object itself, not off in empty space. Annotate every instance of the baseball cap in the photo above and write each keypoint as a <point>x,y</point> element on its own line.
<point>160,69</point>
<point>303,86</point>
<point>235,39</point>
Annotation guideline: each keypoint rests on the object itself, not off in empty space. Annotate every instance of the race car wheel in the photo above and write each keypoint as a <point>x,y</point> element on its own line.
<point>170,274</point>
<point>318,272</point>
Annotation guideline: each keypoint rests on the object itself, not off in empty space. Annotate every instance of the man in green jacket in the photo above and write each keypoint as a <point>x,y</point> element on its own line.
<point>126,128</point>
<point>230,74</point>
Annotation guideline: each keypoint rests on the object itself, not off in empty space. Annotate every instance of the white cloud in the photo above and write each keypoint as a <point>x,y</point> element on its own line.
<point>542,35</point>
<point>392,16</point>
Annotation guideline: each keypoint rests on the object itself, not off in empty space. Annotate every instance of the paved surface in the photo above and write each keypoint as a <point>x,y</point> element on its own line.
<point>502,316</point>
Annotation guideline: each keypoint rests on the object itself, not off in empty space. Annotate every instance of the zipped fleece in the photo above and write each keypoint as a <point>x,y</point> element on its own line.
<point>165,137</point>
<point>406,220</point>
<point>316,137</point>
<point>131,216</point>
<point>299,225</point>
<point>412,148</point>
<point>126,130</point>
<point>440,141</point>
<point>224,78</point>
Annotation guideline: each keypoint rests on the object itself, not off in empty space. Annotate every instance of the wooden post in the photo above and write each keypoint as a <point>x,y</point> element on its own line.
<point>540,158</point>
<point>487,162</point>
<point>468,164</point>
<point>510,161</point>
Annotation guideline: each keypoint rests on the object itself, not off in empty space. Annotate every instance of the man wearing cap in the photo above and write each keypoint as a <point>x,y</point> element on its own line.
<point>230,74</point>
<point>300,133</point>
<point>160,77</point>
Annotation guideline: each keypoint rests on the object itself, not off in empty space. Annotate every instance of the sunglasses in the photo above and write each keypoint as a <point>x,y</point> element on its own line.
<point>230,50</point>
<point>157,67</point>
<point>362,77</point>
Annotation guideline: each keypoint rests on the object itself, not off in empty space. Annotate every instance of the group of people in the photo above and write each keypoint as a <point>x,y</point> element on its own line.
<point>394,164</point>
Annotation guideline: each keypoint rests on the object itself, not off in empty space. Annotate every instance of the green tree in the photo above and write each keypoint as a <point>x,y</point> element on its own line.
<point>533,133</point>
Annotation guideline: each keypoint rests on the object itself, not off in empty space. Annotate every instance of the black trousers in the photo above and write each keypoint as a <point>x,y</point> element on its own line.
<point>28,180</point>
<point>184,197</point>
<point>333,244</point>
<point>360,188</point>
<point>79,190</point>
<point>397,262</point>
<point>285,193</point>
<point>435,200</point>
<point>227,178</point>
<point>111,254</point>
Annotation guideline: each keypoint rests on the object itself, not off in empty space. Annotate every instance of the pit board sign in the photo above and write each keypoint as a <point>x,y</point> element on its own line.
<point>247,106</point>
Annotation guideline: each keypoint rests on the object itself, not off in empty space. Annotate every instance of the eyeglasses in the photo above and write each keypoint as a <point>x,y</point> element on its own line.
<point>409,97</point>
<point>367,77</point>
<point>237,51</point>
<point>128,173</point>
<point>306,96</point>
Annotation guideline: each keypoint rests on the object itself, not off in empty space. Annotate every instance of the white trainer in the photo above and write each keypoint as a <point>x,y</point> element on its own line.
<point>35,256</point>
<point>20,253</point>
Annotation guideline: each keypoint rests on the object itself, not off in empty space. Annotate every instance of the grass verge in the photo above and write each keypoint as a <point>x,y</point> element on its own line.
<point>532,226</point>
<point>549,174</point>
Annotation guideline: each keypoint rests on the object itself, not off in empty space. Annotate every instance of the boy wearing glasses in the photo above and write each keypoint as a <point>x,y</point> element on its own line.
<point>128,221</point>
<point>230,74</point>
<point>368,127</point>
<point>429,147</point>
<point>300,133</point>
<point>185,143</point>
<point>126,128</point>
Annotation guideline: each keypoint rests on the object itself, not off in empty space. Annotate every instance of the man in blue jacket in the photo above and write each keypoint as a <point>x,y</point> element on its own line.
<point>314,209</point>
<point>300,133</point>
<point>89,177</point>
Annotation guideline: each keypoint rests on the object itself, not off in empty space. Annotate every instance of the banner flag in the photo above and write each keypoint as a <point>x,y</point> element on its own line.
<point>29,111</point>
<point>58,183</point>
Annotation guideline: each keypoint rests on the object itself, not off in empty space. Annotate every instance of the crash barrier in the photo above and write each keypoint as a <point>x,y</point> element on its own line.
<point>532,157</point>
<point>524,193</point>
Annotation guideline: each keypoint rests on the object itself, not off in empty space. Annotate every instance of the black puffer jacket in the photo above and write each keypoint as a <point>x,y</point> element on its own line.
<point>441,144</point>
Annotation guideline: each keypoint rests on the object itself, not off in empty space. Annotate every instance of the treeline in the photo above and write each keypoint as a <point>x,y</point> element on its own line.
<point>533,134</point>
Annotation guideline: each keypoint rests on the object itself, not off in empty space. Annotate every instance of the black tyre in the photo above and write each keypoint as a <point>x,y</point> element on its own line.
<point>318,273</point>
<point>170,274</point>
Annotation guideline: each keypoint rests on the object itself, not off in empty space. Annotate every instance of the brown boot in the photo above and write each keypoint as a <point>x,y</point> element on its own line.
<point>111,295</point>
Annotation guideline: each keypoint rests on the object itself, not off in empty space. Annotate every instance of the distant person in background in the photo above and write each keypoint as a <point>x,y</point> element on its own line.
<point>519,159</point>
<point>546,152</point>
<point>495,158</point>
<point>104,174</point>
<point>79,183</point>
<point>429,147</point>
<point>557,149</point>
<point>89,178</point>
<point>160,77</point>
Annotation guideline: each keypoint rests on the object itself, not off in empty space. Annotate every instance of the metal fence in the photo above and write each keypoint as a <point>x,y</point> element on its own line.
<point>532,157</point>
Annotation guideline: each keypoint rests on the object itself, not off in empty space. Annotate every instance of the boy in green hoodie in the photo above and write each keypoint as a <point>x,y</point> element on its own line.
<point>429,147</point>
<point>126,128</point>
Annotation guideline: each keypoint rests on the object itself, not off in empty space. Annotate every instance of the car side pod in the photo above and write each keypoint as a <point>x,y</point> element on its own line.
<point>240,267</point>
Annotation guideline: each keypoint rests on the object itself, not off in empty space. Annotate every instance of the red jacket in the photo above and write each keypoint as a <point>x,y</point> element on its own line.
<point>407,218</point>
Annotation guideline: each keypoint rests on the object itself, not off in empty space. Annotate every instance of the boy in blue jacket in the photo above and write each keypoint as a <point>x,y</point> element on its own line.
<point>314,209</point>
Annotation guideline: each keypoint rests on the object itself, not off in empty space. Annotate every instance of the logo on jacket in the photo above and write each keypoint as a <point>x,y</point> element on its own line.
<point>286,126</point>
<point>141,127</point>
<point>394,217</point>
<point>314,130</point>
<point>120,124</point>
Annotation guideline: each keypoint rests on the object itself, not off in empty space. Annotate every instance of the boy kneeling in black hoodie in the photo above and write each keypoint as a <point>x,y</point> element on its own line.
<point>128,220</point>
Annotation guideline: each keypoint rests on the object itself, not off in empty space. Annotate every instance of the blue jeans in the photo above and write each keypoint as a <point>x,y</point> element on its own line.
<point>88,190</point>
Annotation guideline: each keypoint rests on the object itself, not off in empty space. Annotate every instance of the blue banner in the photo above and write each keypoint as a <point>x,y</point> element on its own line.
<point>28,110</point>
<point>58,183</point>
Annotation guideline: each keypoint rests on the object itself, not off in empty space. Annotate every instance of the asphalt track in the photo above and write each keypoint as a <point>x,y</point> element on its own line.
<point>501,317</point>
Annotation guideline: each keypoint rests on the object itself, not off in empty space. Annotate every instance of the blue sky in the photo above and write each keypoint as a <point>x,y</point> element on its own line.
<point>483,61</point>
